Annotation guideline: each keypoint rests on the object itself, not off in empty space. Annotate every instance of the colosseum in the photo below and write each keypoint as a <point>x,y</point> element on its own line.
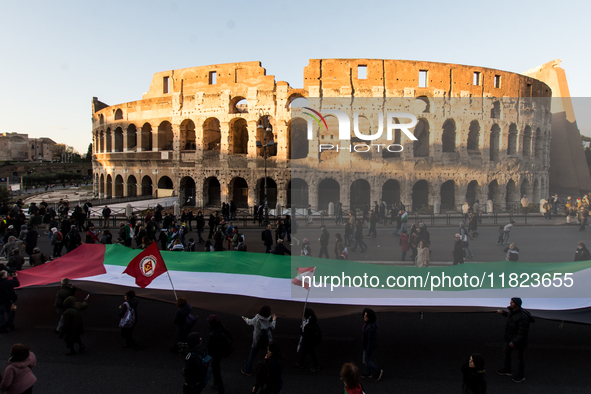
<point>481,134</point>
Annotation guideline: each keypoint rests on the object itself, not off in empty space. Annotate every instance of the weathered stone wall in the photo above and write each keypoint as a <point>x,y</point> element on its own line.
<point>190,133</point>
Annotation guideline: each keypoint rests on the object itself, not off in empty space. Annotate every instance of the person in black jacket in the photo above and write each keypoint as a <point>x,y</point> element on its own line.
<point>7,298</point>
<point>280,248</point>
<point>66,290</point>
<point>267,238</point>
<point>516,332</point>
<point>196,370</point>
<point>310,337</point>
<point>324,238</point>
<point>582,253</point>
<point>217,347</point>
<point>127,332</point>
<point>183,326</point>
<point>459,253</point>
<point>370,343</point>
<point>473,376</point>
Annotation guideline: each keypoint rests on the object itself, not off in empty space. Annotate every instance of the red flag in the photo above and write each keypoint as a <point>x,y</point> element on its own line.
<point>304,277</point>
<point>146,266</point>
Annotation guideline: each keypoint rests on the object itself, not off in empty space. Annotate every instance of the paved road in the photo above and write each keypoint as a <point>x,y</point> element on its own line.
<point>420,354</point>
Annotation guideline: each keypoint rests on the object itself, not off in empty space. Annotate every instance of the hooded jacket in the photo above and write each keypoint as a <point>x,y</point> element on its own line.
<point>18,376</point>
<point>11,245</point>
<point>261,323</point>
<point>517,327</point>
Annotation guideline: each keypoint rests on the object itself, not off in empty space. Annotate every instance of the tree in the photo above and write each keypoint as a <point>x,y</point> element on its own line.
<point>88,157</point>
<point>59,150</point>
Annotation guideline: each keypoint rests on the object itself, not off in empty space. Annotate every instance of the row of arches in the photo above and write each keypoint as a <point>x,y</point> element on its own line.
<point>450,194</point>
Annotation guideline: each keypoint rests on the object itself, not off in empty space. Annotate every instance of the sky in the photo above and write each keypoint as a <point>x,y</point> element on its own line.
<point>58,55</point>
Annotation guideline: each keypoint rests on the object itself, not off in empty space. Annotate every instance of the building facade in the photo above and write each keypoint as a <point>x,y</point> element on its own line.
<point>481,134</point>
<point>19,147</point>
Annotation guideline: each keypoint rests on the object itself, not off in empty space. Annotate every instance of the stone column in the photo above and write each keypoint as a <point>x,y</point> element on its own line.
<point>155,147</point>
<point>176,142</point>
<point>125,137</point>
<point>252,140</point>
<point>224,143</point>
<point>138,143</point>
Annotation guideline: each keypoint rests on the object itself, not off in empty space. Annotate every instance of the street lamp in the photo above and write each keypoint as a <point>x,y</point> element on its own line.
<point>265,127</point>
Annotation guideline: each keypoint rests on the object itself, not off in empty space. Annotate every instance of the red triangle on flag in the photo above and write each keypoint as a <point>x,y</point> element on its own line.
<point>146,266</point>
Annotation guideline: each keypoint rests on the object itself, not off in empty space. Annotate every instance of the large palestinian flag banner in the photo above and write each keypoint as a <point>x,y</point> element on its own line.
<point>240,283</point>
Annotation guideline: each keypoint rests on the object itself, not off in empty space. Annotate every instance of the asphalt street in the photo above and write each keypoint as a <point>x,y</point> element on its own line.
<point>419,353</point>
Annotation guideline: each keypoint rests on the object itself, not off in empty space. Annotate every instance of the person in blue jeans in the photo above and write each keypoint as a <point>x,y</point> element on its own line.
<point>370,342</point>
<point>263,323</point>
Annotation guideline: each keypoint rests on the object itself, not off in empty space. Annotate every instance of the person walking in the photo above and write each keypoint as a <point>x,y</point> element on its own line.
<point>422,259</point>
<point>370,343</point>
<point>7,299</point>
<point>507,232</point>
<point>267,238</point>
<point>66,290</point>
<point>373,220</point>
<point>72,325</point>
<point>275,360</point>
<point>127,327</point>
<point>184,322</point>
<point>18,376</point>
<point>404,243</point>
<point>582,253</point>
<point>583,214</point>
<point>197,370</point>
<point>525,203</point>
<point>219,345</point>
<point>459,253</point>
<point>310,337</point>
<point>324,238</point>
<point>358,236</point>
<point>473,375</point>
<point>516,335</point>
<point>306,248</point>
<point>106,215</point>
<point>465,210</point>
<point>263,323</point>
<point>464,234</point>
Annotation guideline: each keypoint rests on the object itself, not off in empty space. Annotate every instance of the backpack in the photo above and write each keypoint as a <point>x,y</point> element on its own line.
<point>58,236</point>
<point>190,321</point>
<point>227,343</point>
<point>128,320</point>
<point>204,368</point>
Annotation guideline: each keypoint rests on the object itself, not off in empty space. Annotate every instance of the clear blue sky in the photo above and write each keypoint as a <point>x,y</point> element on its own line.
<point>57,55</point>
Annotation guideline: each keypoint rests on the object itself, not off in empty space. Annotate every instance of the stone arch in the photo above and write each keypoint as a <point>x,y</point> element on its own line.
<point>238,190</point>
<point>539,144</point>
<point>118,186</point>
<point>102,185</point>
<point>495,139</point>
<point>271,192</point>
<point>360,195</point>
<point>212,135</point>
<point>329,191</point>
<point>165,183</point>
<point>131,186</point>
<point>109,193</point>
<point>422,105</point>
<point>118,114</point>
<point>474,136</point>
<point>448,137</point>
<point>165,136</point>
<point>494,194</point>
<point>147,144</point>
<point>512,140</point>
<point>472,192</point>
<point>297,134</point>
<point>131,137</point>
<point>212,193</point>
<point>297,100</point>
<point>238,105</point>
<point>420,194</point>
<point>448,195</point>
<point>101,142</point>
<point>239,139</point>
<point>297,193</point>
<point>421,145</point>
<point>147,186</point>
<point>527,141</point>
<point>512,196</point>
<point>386,153</point>
<point>187,191</point>
<point>118,139</point>
<point>391,192</point>
<point>109,140</point>
<point>264,135</point>
<point>188,135</point>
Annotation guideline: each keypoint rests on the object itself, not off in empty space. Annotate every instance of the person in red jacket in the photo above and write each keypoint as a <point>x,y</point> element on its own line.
<point>350,376</point>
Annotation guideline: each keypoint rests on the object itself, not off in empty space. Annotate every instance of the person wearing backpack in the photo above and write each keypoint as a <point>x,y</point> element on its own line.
<point>197,370</point>
<point>184,322</point>
<point>310,337</point>
<point>219,345</point>
<point>263,323</point>
<point>128,315</point>
<point>57,242</point>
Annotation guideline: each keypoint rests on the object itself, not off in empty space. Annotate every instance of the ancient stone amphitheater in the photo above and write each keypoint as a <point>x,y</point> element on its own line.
<point>481,134</point>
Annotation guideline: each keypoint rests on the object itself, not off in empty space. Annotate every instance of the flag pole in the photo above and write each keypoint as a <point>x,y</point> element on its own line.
<point>305,304</point>
<point>175,297</point>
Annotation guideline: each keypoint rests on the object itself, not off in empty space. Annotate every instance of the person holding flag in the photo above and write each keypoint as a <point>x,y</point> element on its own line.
<point>263,323</point>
